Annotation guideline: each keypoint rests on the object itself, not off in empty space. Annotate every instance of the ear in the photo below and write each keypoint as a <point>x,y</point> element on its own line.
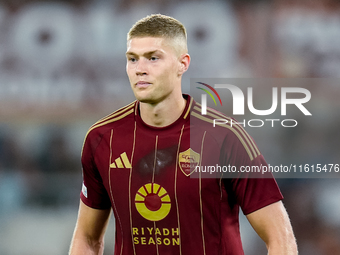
<point>184,60</point>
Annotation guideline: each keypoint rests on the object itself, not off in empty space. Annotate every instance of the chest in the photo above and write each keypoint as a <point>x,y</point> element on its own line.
<point>127,161</point>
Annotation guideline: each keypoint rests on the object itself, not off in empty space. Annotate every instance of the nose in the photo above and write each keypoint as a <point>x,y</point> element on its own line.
<point>141,67</point>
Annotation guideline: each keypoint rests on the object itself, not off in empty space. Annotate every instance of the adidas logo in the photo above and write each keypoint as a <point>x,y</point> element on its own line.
<point>121,162</point>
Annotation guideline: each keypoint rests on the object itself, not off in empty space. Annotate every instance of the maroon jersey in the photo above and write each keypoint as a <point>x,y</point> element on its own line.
<point>160,203</point>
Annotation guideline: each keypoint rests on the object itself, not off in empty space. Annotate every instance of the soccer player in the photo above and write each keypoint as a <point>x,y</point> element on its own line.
<point>140,162</point>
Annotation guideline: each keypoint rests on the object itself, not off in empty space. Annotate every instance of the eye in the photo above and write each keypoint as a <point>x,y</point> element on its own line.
<point>132,59</point>
<point>153,58</point>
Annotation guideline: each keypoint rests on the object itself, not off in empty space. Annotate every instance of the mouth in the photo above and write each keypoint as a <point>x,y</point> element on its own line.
<point>142,84</point>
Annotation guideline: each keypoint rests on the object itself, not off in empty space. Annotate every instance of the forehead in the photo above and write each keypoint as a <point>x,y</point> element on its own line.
<point>140,45</point>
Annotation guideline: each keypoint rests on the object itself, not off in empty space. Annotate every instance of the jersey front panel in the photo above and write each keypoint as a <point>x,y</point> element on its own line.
<point>146,175</point>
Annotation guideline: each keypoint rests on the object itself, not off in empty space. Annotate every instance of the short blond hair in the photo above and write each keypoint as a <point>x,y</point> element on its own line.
<point>158,25</point>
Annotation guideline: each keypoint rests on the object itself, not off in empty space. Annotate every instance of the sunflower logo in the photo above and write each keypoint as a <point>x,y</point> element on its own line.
<point>153,202</point>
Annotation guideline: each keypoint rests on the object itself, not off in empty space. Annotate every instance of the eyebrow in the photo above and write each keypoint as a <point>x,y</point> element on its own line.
<point>146,54</point>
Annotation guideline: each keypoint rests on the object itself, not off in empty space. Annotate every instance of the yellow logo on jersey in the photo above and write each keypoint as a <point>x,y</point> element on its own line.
<point>121,162</point>
<point>188,160</point>
<point>152,202</point>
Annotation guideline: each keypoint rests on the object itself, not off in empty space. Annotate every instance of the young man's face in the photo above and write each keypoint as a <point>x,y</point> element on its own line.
<point>153,68</point>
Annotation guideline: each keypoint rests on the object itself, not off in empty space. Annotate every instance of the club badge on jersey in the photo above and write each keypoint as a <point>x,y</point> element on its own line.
<point>188,160</point>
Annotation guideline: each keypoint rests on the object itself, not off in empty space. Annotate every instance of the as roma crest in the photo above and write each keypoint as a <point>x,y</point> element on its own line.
<point>188,160</point>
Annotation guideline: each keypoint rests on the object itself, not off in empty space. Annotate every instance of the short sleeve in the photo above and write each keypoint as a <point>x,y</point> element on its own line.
<point>251,191</point>
<point>93,192</point>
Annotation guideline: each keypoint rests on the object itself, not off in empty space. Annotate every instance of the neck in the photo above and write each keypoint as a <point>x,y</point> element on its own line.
<point>163,113</point>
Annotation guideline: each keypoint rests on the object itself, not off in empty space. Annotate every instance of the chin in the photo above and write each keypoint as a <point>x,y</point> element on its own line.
<point>143,98</point>
<point>147,100</point>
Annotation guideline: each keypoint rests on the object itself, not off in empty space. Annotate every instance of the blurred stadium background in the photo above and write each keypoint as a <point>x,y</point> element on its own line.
<point>62,67</point>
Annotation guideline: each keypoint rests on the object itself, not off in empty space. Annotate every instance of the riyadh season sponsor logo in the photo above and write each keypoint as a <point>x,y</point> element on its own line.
<point>152,202</point>
<point>239,99</point>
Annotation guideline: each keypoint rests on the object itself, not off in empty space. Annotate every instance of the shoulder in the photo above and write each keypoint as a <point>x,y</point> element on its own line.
<point>215,121</point>
<point>112,120</point>
<point>225,129</point>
